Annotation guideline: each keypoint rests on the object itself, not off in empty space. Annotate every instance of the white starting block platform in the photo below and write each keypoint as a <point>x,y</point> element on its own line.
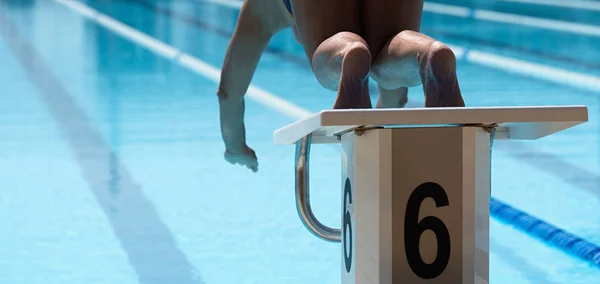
<point>415,186</point>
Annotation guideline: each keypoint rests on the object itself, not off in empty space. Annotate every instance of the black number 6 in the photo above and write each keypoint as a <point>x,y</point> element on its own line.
<point>413,229</point>
<point>347,230</point>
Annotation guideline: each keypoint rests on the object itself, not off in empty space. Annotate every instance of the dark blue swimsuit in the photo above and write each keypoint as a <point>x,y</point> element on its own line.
<point>288,5</point>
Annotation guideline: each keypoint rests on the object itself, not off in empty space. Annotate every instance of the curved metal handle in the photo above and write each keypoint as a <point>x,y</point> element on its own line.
<point>303,196</point>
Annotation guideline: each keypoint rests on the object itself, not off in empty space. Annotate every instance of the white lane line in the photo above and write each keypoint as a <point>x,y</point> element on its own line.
<point>196,65</point>
<point>480,14</point>
<point>444,9</point>
<point>573,4</point>
<point>293,111</point>
<point>534,70</point>
<point>556,25</point>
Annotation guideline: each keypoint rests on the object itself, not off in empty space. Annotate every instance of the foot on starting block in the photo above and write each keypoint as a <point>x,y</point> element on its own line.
<point>415,186</point>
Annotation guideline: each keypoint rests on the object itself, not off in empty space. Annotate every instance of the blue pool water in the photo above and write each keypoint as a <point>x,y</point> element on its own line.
<point>111,167</point>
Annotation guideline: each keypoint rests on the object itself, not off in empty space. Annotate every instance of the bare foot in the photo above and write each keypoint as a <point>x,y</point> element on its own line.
<point>247,158</point>
<point>353,91</point>
<point>440,82</point>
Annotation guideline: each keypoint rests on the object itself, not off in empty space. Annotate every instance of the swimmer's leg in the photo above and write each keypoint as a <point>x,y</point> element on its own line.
<point>341,63</point>
<point>412,58</point>
<point>340,58</point>
<point>402,57</point>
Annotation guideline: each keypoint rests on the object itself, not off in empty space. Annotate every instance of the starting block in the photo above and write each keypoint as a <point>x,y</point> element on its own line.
<point>415,186</point>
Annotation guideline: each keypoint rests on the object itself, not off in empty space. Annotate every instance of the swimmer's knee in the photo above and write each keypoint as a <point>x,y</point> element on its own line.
<point>336,44</point>
<point>395,71</point>
<point>392,69</point>
<point>441,58</point>
<point>329,56</point>
<point>356,60</point>
<point>349,37</point>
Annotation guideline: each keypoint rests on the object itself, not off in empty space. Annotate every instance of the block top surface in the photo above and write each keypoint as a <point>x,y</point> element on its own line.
<point>521,123</point>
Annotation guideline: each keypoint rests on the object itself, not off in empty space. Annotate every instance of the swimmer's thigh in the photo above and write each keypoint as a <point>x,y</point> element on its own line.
<point>318,20</point>
<point>384,19</point>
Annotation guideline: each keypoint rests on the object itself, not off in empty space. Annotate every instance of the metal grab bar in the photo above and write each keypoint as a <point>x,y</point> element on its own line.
<point>303,195</point>
<point>303,191</point>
